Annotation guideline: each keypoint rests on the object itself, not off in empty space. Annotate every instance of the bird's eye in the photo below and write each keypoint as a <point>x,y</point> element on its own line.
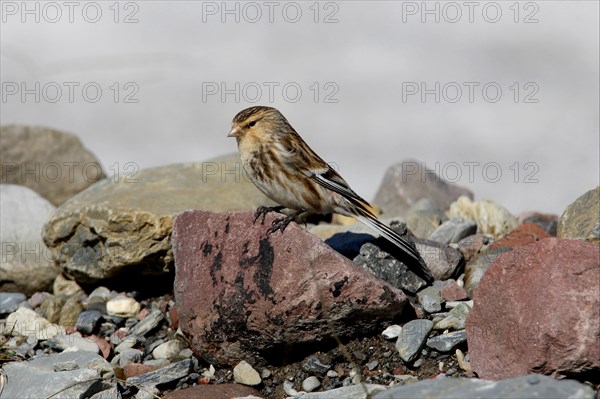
<point>251,124</point>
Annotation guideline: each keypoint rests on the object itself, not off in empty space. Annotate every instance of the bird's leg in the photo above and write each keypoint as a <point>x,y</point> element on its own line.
<point>263,210</point>
<point>282,223</point>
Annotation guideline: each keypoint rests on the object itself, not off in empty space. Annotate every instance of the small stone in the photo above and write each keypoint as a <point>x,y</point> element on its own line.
<point>168,350</point>
<point>66,341</point>
<point>50,308</point>
<point>70,312</point>
<point>392,331</point>
<point>581,219</point>
<point>470,247</point>
<point>102,293</point>
<point>491,217</point>
<point>447,342</point>
<point>66,366</point>
<point>123,307</point>
<point>453,292</point>
<point>456,318</point>
<point>462,362</point>
<point>164,375</point>
<point>88,321</point>
<point>453,230</point>
<point>311,383</point>
<point>412,339</point>
<point>9,301</point>
<point>430,299</point>
<point>130,356</point>
<point>423,222</point>
<point>243,373</point>
<point>314,366</point>
<point>187,352</point>
<point>332,374</point>
<point>443,261</point>
<point>418,363</point>
<point>372,365</point>
<point>475,269</point>
<point>25,322</point>
<point>65,287</point>
<point>264,373</point>
<point>149,323</point>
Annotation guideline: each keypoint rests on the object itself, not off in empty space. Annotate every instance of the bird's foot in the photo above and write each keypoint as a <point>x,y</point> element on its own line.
<point>280,224</point>
<point>263,210</point>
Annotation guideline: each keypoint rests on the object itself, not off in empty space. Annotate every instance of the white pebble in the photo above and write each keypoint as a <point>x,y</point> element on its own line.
<point>243,373</point>
<point>311,383</point>
<point>167,350</point>
<point>123,307</point>
<point>392,332</point>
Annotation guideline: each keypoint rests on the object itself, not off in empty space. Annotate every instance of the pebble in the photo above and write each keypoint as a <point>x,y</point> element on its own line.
<point>412,339</point>
<point>453,230</point>
<point>26,322</point>
<point>314,366</point>
<point>447,342</point>
<point>462,362</point>
<point>65,366</point>
<point>149,323</point>
<point>164,375</point>
<point>67,288</point>
<point>431,299</point>
<point>332,374</point>
<point>123,307</point>
<point>88,321</point>
<point>456,319</point>
<point>243,373</point>
<point>311,383</point>
<point>71,341</point>
<point>392,331</point>
<point>168,350</point>
<point>130,355</point>
<point>9,301</point>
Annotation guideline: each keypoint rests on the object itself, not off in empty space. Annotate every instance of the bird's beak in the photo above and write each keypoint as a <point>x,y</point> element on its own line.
<point>235,132</point>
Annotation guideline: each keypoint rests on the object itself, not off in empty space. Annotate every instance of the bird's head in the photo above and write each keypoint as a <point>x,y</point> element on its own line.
<point>259,121</point>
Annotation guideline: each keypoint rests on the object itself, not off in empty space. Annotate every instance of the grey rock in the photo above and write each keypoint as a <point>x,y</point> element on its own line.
<point>360,391</point>
<point>61,166</point>
<point>164,375</point>
<point>25,322</point>
<point>148,323</point>
<point>430,299</point>
<point>313,365</point>
<point>581,219</point>
<point>88,321</point>
<point>168,350</point>
<point>111,393</point>
<point>475,269</point>
<point>372,365</point>
<point>130,356</point>
<point>64,341</point>
<point>443,261</point>
<point>88,233</point>
<point>406,183</point>
<point>65,366</point>
<point>423,222</point>
<point>525,387</point>
<point>387,268</point>
<point>26,264</point>
<point>413,337</point>
<point>453,230</point>
<point>9,301</point>
<point>48,382</point>
<point>447,342</point>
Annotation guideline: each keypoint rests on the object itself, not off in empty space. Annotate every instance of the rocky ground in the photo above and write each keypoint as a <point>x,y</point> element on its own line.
<point>165,287</point>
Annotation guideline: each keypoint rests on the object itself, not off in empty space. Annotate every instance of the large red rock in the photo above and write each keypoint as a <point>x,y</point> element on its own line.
<point>537,309</point>
<point>243,295</point>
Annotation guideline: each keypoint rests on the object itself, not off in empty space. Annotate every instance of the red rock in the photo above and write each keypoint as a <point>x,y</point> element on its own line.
<point>174,317</point>
<point>219,391</point>
<point>537,309</point>
<point>244,295</point>
<point>453,292</point>
<point>103,345</point>
<point>133,369</point>
<point>523,235</point>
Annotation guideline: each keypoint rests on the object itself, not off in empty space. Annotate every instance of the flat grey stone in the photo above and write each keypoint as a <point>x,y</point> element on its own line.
<point>525,387</point>
<point>10,300</point>
<point>88,321</point>
<point>37,378</point>
<point>413,336</point>
<point>431,299</point>
<point>359,391</point>
<point>147,324</point>
<point>453,230</point>
<point>447,342</point>
<point>163,375</point>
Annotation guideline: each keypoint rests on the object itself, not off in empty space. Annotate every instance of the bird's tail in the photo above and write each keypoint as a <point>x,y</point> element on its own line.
<point>418,265</point>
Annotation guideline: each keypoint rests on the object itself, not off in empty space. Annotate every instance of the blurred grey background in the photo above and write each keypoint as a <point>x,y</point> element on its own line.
<point>500,97</point>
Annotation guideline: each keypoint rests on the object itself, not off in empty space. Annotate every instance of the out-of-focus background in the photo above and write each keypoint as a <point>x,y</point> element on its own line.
<point>500,97</point>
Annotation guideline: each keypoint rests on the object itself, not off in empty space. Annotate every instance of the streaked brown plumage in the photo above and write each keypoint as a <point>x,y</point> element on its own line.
<point>289,172</point>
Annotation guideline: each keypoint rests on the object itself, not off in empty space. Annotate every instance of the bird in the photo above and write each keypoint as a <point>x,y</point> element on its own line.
<point>282,166</point>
